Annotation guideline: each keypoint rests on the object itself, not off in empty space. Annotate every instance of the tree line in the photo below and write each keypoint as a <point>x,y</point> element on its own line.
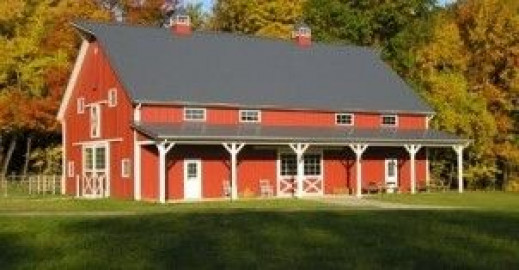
<point>463,59</point>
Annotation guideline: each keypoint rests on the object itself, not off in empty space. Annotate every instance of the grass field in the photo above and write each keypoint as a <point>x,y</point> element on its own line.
<point>275,234</point>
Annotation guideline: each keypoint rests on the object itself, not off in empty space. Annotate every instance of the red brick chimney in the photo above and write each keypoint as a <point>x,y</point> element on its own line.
<point>181,23</point>
<point>302,35</point>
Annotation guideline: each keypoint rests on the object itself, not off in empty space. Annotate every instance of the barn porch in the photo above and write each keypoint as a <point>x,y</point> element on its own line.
<point>296,141</point>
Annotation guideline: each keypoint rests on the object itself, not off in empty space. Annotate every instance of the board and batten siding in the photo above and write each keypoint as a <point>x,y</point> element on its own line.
<point>95,78</point>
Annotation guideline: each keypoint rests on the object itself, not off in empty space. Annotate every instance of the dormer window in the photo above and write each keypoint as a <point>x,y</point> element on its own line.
<point>250,116</point>
<point>81,105</point>
<point>112,97</point>
<point>389,120</point>
<point>344,119</point>
<point>194,114</point>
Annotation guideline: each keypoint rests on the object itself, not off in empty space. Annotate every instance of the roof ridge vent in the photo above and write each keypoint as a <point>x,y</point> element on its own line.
<point>302,35</point>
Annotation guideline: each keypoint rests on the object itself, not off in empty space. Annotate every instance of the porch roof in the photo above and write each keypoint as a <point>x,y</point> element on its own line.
<point>254,133</point>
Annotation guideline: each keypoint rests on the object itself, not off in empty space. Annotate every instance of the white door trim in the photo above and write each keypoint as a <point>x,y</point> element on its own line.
<point>394,179</point>
<point>199,174</point>
<point>317,179</point>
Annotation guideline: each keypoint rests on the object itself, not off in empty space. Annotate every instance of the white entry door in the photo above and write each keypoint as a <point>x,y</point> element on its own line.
<point>391,175</point>
<point>192,179</point>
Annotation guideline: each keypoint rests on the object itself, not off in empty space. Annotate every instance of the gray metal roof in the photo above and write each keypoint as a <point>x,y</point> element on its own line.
<point>276,134</point>
<point>217,68</point>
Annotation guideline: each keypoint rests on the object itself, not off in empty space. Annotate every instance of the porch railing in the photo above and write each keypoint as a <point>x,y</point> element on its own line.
<point>24,185</point>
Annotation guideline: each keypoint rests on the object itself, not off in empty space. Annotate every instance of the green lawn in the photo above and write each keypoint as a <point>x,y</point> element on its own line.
<point>275,234</point>
<point>473,200</point>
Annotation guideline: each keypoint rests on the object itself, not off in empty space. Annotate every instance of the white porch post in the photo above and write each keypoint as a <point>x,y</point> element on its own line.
<point>358,149</point>
<point>412,149</point>
<point>234,149</point>
<point>299,149</point>
<point>459,150</point>
<point>163,148</point>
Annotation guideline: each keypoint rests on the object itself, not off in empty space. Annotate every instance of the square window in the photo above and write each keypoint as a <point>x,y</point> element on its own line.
<point>125,167</point>
<point>389,120</point>
<point>81,105</point>
<point>344,119</point>
<point>250,116</point>
<point>112,97</point>
<point>194,114</point>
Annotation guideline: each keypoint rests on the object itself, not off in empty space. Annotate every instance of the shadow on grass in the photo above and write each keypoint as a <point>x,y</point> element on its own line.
<point>238,239</point>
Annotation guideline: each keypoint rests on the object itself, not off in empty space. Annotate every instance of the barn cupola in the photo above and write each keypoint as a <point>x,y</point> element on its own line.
<point>181,22</point>
<point>302,35</point>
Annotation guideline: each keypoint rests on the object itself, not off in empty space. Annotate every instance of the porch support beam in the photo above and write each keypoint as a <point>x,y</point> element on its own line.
<point>234,149</point>
<point>299,149</point>
<point>358,149</point>
<point>459,150</point>
<point>164,148</point>
<point>412,149</point>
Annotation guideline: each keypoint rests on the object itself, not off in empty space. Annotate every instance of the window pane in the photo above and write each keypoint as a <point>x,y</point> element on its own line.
<point>95,121</point>
<point>288,164</point>
<point>391,166</point>
<point>194,114</point>
<point>249,116</point>
<point>389,120</point>
<point>344,119</point>
<point>192,170</point>
<point>89,159</point>
<point>312,164</point>
<point>100,158</point>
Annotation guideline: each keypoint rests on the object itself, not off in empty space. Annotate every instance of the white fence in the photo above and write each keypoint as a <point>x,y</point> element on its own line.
<point>15,185</point>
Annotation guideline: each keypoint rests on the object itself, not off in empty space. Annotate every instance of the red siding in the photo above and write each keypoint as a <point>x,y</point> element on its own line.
<point>95,79</point>
<point>271,117</point>
<point>258,164</point>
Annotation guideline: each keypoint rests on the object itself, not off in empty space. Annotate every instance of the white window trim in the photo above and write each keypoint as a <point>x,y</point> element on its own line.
<point>312,152</point>
<point>241,112</point>
<point>98,127</point>
<point>80,103</point>
<point>125,168</point>
<point>71,169</point>
<point>352,116</point>
<point>389,115</point>
<point>195,120</point>
<point>112,102</point>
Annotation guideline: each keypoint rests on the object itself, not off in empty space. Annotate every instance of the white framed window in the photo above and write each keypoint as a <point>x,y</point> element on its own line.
<point>194,114</point>
<point>126,167</point>
<point>389,120</point>
<point>81,105</point>
<point>312,164</point>
<point>95,159</point>
<point>288,165</point>
<point>95,121</point>
<point>250,116</point>
<point>112,97</point>
<point>70,169</point>
<point>344,119</point>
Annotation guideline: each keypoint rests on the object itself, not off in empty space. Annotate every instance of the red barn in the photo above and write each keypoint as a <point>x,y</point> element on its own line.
<point>169,115</point>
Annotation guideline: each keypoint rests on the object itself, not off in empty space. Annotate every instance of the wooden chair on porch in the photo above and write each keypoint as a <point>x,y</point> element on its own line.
<point>226,188</point>
<point>266,189</point>
<point>373,188</point>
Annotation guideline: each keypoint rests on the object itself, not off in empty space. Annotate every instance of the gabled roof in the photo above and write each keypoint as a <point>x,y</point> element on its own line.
<point>218,68</point>
<point>187,132</point>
